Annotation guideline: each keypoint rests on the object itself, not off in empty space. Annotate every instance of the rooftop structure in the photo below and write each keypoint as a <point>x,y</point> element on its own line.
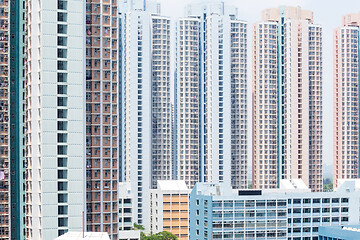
<point>351,232</point>
<point>84,236</point>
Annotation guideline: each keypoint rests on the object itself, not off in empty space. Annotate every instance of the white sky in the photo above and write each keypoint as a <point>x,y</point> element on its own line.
<point>326,13</point>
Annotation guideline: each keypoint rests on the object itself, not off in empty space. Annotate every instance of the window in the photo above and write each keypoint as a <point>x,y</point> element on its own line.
<point>62,186</point>
<point>62,210</point>
<point>62,41</point>
<point>62,198</point>
<point>62,162</point>
<point>62,77</point>
<point>61,53</point>
<point>62,174</point>
<point>61,29</point>
<point>62,150</point>
<point>62,113</point>
<point>62,101</point>
<point>62,4</point>
<point>62,125</point>
<point>62,17</point>
<point>62,65</point>
<point>63,222</point>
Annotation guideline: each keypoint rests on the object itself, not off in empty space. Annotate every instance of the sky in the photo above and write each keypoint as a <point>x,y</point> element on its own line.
<point>327,13</point>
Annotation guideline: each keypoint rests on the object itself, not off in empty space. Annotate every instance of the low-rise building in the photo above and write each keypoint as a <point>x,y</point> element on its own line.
<point>169,211</point>
<point>125,207</point>
<point>291,212</point>
<point>339,233</point>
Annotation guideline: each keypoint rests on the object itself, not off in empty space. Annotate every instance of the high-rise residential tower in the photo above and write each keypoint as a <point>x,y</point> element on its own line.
<point>287,98</point>
<point>102,116</point>
<point>145,94</point>
<point>11,120</point>
<point>346,99</point>
<point>211,95</point>
<point>54,117</point>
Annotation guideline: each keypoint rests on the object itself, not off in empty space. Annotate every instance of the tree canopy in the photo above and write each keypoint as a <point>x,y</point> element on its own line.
<point>159,236</point>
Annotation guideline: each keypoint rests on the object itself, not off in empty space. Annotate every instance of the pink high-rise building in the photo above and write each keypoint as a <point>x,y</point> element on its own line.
<point>346,99</point>
<point>287,98</point>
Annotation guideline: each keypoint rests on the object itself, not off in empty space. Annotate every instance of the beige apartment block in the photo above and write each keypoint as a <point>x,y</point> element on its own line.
<point>169,208</point>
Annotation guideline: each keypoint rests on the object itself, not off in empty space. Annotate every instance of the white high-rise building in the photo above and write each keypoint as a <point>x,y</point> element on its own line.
<point>211,95</point>
<point>54,117</point>
<point>287,98</point>
<point>147,106</point>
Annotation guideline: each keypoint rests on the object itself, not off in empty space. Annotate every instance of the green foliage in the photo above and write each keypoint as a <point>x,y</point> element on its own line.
<point>158,236</point>
<point>328,187</point>
<point>138,227</point>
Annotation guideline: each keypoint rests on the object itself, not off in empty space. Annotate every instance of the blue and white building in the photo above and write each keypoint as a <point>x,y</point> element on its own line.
<point>145,101</point>
<point>291,212</point>
<point>211,92</point>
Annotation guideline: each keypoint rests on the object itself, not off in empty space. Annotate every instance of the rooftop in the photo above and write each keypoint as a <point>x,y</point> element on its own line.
<point>175,185</point>
<point>88,236</point>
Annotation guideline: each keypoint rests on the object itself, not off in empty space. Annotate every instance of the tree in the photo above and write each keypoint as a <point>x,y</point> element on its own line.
<point>138,227</point>
<point>158,236</point>
<point>328,187</point>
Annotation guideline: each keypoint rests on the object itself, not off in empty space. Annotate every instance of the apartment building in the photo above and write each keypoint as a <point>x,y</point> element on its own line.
<point>102,116</point>
<point>291,212</point>
<point>11,120</point>
<point>169,205</point>
<point>287,98</point>
<point>211,80</point>
<point>146,101</point>
<point>346,98</point>
<point>54,117</point>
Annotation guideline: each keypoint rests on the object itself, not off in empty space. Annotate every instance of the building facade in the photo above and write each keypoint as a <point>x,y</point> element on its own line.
<point>218,212</point>
<point>146,105</point>
<point>211,95</point>
<point>102,116</point>
<point>346,99</point>
<point>169,205</point>
<point>287,98</point>
<point>11,120</point>
<point>54,117</point>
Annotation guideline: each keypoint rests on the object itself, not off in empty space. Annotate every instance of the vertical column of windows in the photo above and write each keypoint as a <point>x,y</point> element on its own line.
<point>221,99</point>
<point>28,159</point>
<point>315,108</point>
<point>4,120</point>
<point>188,101</point>
<point>161,142</point>
<point>140,122</point>
<point>93,117</point>
<point>62,111</point>
<point>238,105</point>
<point>265,106</point>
